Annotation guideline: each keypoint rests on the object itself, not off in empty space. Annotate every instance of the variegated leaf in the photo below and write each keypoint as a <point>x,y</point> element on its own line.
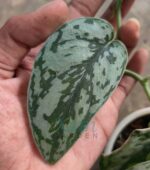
<point>135,153</point>
<point>141,166</point>
<point>74,74</point>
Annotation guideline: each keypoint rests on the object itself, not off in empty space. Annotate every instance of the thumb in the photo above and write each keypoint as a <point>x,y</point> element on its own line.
<point>21,33</point>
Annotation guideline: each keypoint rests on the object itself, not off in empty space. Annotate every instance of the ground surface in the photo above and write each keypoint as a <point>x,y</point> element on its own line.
<point>141,11</point>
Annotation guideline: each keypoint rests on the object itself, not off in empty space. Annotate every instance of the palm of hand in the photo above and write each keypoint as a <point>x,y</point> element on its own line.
<point>16,145</point>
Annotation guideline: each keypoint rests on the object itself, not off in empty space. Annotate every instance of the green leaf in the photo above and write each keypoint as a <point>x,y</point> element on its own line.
<point>74,74</point>
<point>141,166</point>
<point>131,155</point>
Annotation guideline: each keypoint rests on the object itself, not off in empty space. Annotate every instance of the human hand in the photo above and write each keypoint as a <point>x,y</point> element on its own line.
<point>18,40</point>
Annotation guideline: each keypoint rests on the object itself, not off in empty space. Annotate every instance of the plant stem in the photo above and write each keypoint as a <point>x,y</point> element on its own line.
<point>146,87</point>
<point>144,81</point>
<point>118,14</point>
<point>134,75</point>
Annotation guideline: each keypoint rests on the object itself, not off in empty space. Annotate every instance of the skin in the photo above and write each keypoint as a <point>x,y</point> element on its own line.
<point>20,41</point>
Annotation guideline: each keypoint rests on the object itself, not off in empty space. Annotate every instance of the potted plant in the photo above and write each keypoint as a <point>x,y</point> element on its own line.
<point>129,146</point>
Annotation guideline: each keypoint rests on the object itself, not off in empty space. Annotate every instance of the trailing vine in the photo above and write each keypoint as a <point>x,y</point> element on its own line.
<point>144,81</point>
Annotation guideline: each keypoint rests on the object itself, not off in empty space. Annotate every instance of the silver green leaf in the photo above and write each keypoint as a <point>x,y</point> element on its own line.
<point>141,166</point>
<point>73,75</point>
<point>135,153</point>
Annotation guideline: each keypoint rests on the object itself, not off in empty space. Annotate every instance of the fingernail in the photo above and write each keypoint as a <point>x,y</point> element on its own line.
<point>144,52</point>
<point>135,21</point>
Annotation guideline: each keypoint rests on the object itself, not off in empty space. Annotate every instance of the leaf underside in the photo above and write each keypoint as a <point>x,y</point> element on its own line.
<point>133,155</point>
<point>73,76</point>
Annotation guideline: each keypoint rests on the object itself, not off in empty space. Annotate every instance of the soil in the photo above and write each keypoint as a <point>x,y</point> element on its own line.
<point>140,123</point>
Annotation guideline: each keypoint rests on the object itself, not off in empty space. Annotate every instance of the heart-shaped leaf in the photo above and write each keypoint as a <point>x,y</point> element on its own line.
<point>74,74</point>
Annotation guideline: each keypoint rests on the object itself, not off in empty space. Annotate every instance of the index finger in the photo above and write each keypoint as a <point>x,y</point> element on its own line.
<point>80,8</point>
<point>109,14</point>
<point>21,33</point>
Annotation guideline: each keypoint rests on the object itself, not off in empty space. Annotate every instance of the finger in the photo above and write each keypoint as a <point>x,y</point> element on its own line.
<point>21,33</point>
<point>28,61</point>
<point>103,127</point>
<point>129,33</point>
<point>136,64</point>
<point>25,67</point>
<point>110,12</point>
<point>80,8</point>
<point>131,27</point>
<point>18,85</point>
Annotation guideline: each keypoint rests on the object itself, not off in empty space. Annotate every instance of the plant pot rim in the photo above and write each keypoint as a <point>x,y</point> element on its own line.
<point>125,122</point>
